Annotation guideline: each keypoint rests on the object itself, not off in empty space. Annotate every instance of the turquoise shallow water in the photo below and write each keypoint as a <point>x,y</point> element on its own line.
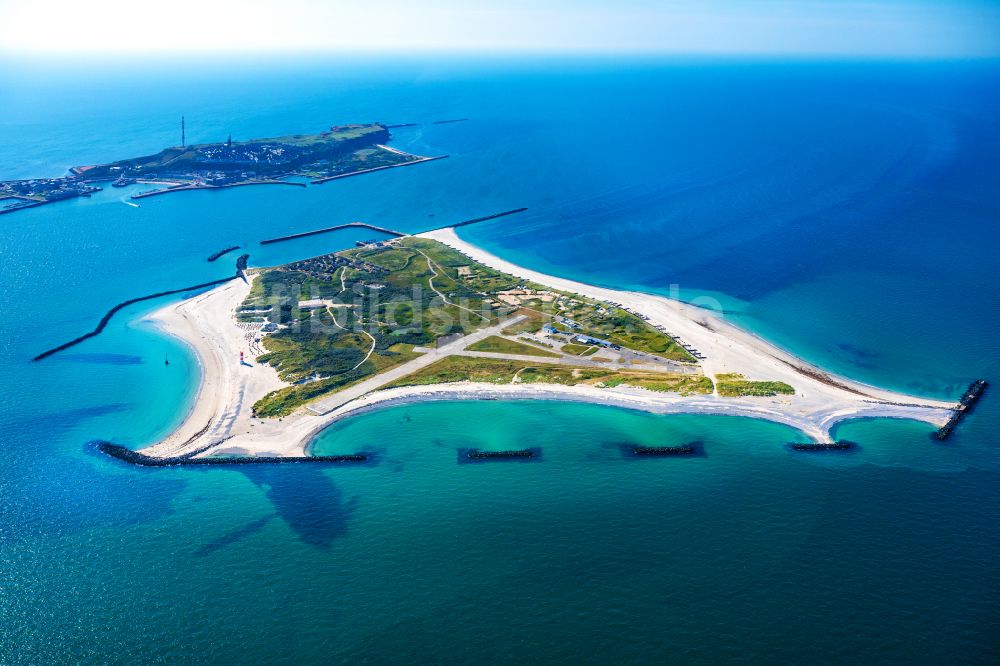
<point>846,211</point>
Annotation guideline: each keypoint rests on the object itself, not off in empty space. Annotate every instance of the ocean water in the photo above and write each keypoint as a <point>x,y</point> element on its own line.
<point>847,211</point>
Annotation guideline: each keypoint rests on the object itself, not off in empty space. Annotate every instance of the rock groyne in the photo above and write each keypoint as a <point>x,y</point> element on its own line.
<point>965,405</point>
<point>124,304</point>
<point>477,220</point>
<point>478,455</point>
<point>218,254</point>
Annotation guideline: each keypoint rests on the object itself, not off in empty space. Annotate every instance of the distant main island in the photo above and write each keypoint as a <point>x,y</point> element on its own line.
<point>341,151</point>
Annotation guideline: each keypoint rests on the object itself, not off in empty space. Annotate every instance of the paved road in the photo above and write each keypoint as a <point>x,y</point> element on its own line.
<point>408,368</point>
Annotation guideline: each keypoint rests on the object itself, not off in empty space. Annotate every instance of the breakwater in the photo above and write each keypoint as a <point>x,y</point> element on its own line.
<point>477,220</point>
<point>195,186</point>
<point>25,206</point>
<point>477,455</point>
<point>349,225</point>
<point>124,304</point>
<point>444,122</point>
<point>141,459</point>
<point>965,405</point>
<point>326,179</point>
<point>682,450</point>
<point>168,190</point>
<point>222,252</point>
<point>839,445</point>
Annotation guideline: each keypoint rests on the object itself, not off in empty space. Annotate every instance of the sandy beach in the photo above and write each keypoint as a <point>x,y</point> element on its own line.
<point>221,421</point>
<point>206,323</point>
<point>728,347</point>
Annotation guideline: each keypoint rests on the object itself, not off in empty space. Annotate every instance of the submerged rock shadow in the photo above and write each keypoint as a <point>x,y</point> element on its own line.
<point>102,359</point>
<point>233,536</point>
<point>306,499</point>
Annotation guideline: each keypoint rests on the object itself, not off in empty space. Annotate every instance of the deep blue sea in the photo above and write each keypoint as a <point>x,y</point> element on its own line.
<point>846,210</point>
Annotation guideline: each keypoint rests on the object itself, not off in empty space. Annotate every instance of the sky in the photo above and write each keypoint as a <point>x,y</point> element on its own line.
<point>852,28</point>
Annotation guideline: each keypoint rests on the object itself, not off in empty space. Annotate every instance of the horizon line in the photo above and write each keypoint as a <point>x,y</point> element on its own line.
<point>636,53</point>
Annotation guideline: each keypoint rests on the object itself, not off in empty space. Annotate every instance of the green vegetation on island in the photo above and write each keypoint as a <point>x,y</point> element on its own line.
<point>337,319</point>
<point>578,350</point>
<point>502,371</point>
<point>340,151</point>
<point>318,154</point>
<point>734,384</point>
<point>497,344</point>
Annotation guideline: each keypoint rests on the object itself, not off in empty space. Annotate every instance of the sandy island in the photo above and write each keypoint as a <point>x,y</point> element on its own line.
<point>221,422</point>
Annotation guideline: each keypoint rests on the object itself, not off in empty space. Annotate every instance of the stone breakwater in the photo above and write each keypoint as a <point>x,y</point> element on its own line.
<point>141,459</point>
<point>653,451</point>
<point>111,313</point>
<point>361,172</point>
<point>349,225</point>
<point>218,254</point>
<point>477,220</point>
<point>839,445</point>
<point>533,454</point>
<point>965,405</point>
<point>241,265</point>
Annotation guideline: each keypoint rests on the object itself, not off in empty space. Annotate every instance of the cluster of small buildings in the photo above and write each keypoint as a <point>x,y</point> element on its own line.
<point>45,189</point>
<point>588,340</point>
<point>321,266</point>
<point>519,296</point>
<point>691,350</point>
<point>324,266</point>
<point>223,178</point>
<point>272,154</point>
<point>630,311</point>
<point>580,338</point>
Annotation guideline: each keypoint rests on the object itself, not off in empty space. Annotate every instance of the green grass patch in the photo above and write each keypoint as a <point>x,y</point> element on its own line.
<point>579,350</point>
<point>499,371</point>
<point>495,343</point>
<point>496,371</point>
<point>286,400</point>
<point>389,289</point>
<point>733,384</point>
<point>666,383</point>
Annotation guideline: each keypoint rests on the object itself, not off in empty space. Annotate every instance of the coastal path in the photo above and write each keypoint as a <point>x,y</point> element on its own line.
<point>431,356</point>
<point>430,282</point>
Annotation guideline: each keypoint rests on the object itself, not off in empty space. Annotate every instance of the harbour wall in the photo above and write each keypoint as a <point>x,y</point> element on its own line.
<point>349,225</point>
<point>320,181</point>
<point>188,188</point>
